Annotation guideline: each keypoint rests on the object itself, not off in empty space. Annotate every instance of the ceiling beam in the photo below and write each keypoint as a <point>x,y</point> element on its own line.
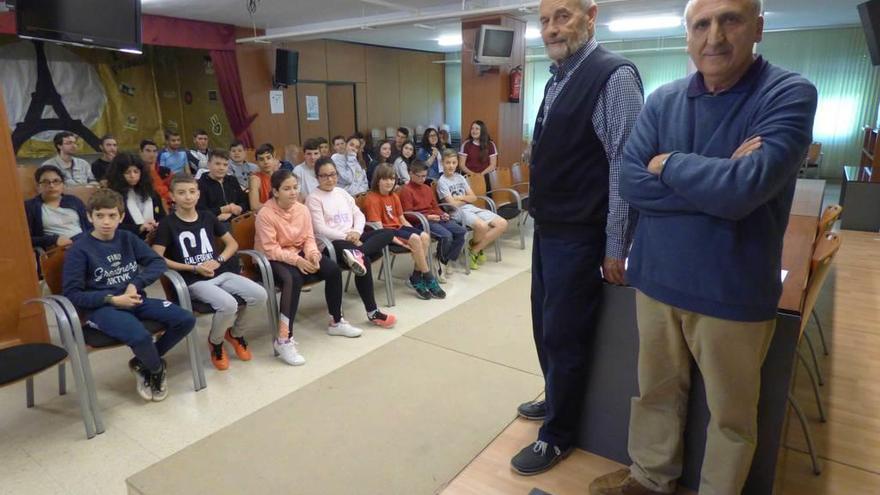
<point>391,5</point>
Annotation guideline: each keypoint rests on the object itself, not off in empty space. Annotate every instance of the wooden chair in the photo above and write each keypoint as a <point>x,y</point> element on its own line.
<point>88,339</point>
<point>84,193</point>
<point>829,216</point>
<point>478,186</point>
<point>26,180</point>
<point>823,256</point>
<point>508,200</point>
<point>813,159</point>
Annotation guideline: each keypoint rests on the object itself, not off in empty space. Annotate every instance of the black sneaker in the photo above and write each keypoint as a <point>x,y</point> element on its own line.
<point>416,283</point>
<point>434,288</point>
<point>142,378</point>
<point>534,410</point>
<point>159,383</point>
<point>537,458</point>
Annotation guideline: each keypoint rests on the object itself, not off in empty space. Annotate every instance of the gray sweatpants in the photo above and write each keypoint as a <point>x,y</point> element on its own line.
<point>218,292</point>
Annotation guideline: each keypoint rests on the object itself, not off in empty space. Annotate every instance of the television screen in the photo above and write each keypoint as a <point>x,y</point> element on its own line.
<point>870,15</point>
<point>494,45</point>
<point>498,43</point>
<point>114,24</point>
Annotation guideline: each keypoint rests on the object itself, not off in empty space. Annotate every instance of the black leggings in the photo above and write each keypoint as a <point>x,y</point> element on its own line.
<point>372,244</point>
<point>292,280</point>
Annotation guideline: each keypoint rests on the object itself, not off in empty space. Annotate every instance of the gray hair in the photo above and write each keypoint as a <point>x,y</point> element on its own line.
<point>757,5</point>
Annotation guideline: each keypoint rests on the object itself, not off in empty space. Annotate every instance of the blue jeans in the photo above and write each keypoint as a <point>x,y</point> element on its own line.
<point>450,235</point>
<point>125,325</point>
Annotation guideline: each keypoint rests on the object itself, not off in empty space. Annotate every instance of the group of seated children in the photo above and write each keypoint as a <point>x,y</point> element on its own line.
<point>107,267</point>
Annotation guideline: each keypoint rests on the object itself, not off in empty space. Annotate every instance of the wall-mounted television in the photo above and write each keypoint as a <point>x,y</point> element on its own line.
<point>869,12</point>
<point>494,45</point>
<point>113,24</point>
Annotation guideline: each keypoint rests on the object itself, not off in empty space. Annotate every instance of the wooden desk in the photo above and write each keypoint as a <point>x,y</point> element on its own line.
<point>808,197</point>
<point>797,250</point>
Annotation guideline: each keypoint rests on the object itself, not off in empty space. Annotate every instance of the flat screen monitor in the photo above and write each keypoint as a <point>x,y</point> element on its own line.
<point>113,24</point>
<point>494,45</point>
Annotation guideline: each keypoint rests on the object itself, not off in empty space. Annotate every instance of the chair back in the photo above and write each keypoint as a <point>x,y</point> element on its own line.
<point>814,153</point>
<point>84,193</point>
<point>520,173</point>
<point>243,229</point>
<point>829,216</point>
<point>26,180</point>
<point>52,265</point>
<point>501,178</point>
<point>478,186</point>
<point>823,255</point>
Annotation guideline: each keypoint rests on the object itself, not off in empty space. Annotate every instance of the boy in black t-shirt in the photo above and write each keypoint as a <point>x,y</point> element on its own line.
<point>186,240</point>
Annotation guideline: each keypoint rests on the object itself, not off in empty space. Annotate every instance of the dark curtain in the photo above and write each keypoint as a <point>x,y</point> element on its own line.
<point>229,82</point>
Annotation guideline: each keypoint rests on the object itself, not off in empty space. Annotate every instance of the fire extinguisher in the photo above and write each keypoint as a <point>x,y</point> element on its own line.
<point>516,75</point>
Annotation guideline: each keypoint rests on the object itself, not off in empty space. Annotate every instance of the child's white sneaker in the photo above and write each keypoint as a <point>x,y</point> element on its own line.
<point>286,351</point>
<point>344,329</point>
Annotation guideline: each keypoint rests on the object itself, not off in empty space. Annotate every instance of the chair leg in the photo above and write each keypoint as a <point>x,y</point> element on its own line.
<point>29,391</point>
<point>803,360</point>
<point>522,235</point>
<point>806,429</point>
<point>497,250</point>
<point>815,361</point>
<point>348,280</point>
<point>195,363</point>
<point>62,379</point>
<point>821,332</point>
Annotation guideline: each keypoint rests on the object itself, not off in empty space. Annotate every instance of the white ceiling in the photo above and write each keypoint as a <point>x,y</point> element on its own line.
<point>394,19</point>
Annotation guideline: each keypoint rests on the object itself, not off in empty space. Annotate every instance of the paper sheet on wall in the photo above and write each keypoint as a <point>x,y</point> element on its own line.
<point>312,110</point>
<point>276,101</point>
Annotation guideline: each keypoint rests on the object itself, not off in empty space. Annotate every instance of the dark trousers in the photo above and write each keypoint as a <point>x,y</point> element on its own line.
<point>372,243</point>
<point>450,237</point>
<point>566,287</point>
<point>125,326</point>
<point>292,280</point>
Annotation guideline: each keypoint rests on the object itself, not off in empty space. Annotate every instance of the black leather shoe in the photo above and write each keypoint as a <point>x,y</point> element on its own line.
<point>534,410</point>
<point>537,458</point>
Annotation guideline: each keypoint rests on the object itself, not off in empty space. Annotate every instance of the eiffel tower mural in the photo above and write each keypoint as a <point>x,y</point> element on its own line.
<point>46,95</point>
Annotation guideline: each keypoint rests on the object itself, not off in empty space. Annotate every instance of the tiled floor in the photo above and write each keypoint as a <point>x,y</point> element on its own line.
<point>44,450</point>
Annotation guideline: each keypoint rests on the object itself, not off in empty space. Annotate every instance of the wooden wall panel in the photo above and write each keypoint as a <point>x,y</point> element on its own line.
<point>484,96</point>
<point>383,87</point>
<point>345,62</point>
<point>361,103</point>
<point>256,67</point>
<point>340,110</point>
<point>18,268</point>
<point>413,88</point>
<point>312,59</point>
<point>313,128</point>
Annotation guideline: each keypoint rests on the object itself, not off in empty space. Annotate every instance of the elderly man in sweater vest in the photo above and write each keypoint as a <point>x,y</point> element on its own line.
<point>581,225</point>
<point>711,167</point>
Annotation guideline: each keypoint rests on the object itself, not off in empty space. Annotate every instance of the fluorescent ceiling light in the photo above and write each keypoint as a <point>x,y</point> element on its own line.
<point>644,23</point>
<point>449,39</point>
<point>532,33</point>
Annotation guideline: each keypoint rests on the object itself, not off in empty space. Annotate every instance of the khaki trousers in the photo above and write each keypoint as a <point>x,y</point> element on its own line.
<point>729,355</point>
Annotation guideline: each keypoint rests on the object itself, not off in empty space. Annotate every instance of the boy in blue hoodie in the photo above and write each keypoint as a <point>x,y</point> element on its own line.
<point>104,276</point>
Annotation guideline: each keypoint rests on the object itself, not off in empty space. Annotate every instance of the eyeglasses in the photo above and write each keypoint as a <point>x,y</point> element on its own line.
<point>326,176</point>
<point>53,182</point>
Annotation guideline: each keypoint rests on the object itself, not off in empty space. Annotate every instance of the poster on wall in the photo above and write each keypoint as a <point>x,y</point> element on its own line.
<point>276,101</point>
<point>312,111</point>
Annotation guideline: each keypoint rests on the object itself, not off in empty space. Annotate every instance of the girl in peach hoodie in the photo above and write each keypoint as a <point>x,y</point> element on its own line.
<point>284,234</point>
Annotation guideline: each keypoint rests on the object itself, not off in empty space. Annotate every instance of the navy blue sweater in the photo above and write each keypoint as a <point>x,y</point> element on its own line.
<point>94,268</point>
<point>709,237</point>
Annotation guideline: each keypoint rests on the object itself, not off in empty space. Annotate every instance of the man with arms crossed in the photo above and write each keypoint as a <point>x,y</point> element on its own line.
<point>711,167</point>
<point>581,224</point>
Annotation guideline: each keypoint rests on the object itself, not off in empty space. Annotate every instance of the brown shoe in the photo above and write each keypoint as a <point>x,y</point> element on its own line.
<point>619,483</point>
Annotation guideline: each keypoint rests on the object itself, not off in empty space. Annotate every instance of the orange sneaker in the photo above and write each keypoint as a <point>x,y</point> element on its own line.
<point>218,356</point>
<point>380,319</point>
<point>239,344</point>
